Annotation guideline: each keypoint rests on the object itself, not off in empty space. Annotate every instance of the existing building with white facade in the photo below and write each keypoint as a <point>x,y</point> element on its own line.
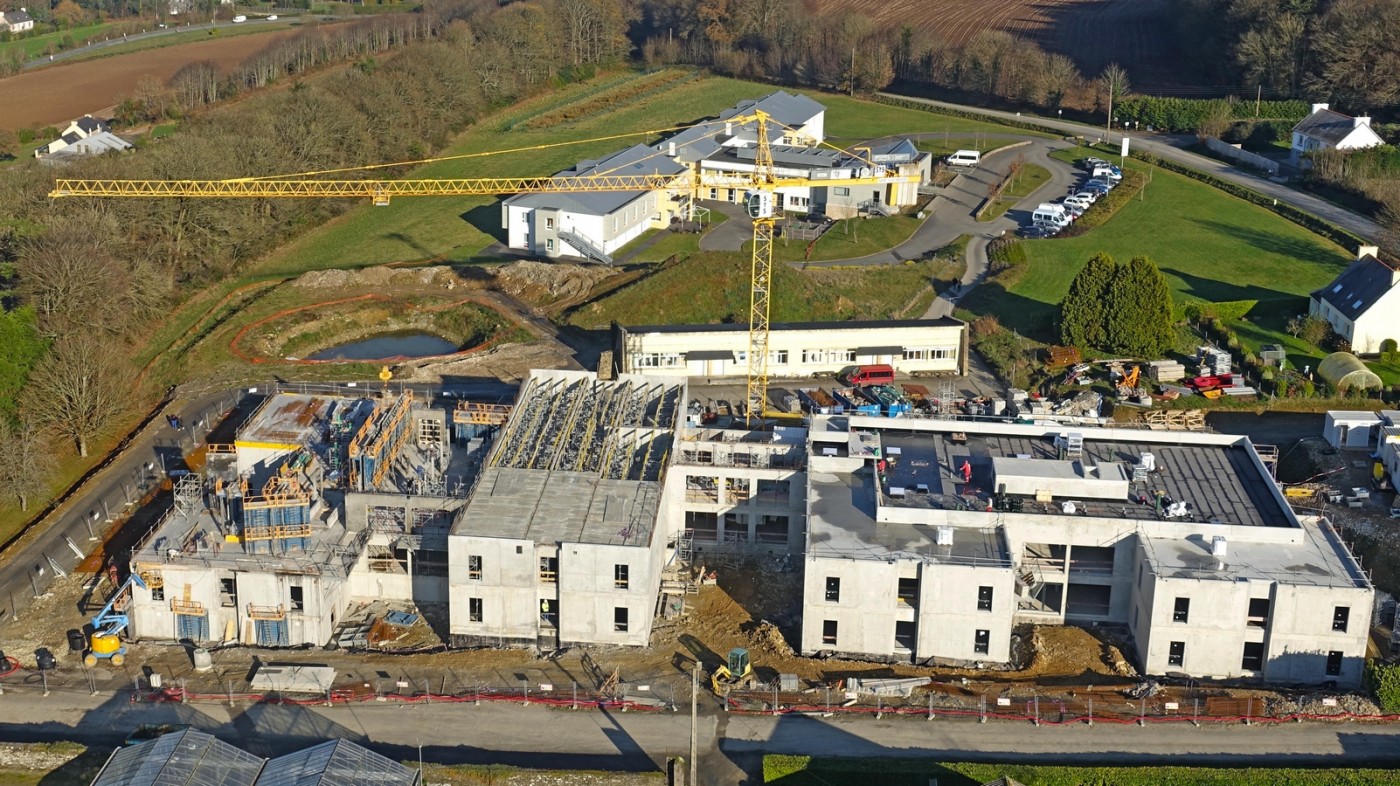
<point>1327,129</point>
<point>561,541</point>
<point>594,224</point>
<point>16,21</point>
<point>928,540</point>
<point>796,349</point>
<point>1362,304</point>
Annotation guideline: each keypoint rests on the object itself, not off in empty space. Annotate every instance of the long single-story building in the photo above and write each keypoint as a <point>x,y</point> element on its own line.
<point>796,349</point>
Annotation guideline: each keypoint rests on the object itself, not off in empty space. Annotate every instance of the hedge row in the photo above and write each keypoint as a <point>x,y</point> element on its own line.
<point>1185,115</point>
<point>1225,310</point>
<point>1108,204</point>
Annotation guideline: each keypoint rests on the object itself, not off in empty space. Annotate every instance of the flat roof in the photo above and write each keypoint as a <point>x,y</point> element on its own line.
<point>1220,481</point>
<point>1321,560</point>
<point>728,327</point>
<point>289,419</point>
<point>842,524</point>
<point>580,460</point>
<point>560,507</point>
<point>198,539</point>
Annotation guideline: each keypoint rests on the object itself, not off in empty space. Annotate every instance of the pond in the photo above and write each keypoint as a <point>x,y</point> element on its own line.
<point>409,344</point>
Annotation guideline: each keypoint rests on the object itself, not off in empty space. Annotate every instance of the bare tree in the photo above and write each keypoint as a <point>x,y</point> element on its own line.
<point>26,463</point>
<point>80,389</point>
<point>1114,82</point>
<point>70,277</point>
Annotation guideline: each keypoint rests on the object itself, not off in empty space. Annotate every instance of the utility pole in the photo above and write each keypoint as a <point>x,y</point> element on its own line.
<point>694,725</point>
<point>1258,96</point>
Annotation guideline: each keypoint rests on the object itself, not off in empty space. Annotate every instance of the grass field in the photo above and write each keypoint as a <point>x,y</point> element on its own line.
<point>847,239</point>
<point>193,35</point>
<point>710,287</point>
<point>1211,246</point>
<point>457,229</point>
<point>805,771</point>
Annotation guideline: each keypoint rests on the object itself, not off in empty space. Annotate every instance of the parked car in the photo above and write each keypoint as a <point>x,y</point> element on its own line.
<point>1078,202</point>
<point>1034,232</point>
<point>1101,186</point>
<point>272,18</point>
<point>1092,196</point>
<point>1090,163</point>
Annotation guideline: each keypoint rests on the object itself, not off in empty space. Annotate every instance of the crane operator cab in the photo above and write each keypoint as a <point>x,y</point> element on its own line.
<point>759,204</point>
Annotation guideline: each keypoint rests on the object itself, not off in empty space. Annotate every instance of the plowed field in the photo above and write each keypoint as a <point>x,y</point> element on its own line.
<point>59,93</point>
<point>1091,32</point>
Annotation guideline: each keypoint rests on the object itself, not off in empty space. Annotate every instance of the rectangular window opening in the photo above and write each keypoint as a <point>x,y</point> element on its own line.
<point>474,567</point>
<point>1253,658</point>
<point>620,619</point>
<point>984,598</point>
<point>1334,663</point>
<point>1176,653</point>
<point>1182,611</point>
<point>298,597</point>
<point>982,642</point>
<point>620,577</point>
<point>474,609</point>
<point>828,631</point>
<point>833,589</point>
<point>1340,617</point>
<point>228,593</point>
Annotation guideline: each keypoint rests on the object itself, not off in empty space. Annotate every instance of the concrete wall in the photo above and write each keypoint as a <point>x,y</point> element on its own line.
<point>865,614</point>
<point>325,600</point>
<point>588,594</point>
<point>1296,636</point>
<point>949,616</point>
<point>1235,153</point>
<point>508,589</point>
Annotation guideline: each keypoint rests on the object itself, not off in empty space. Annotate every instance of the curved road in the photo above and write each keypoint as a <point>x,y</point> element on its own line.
<point>1162,146</point>
<point>158,32</point>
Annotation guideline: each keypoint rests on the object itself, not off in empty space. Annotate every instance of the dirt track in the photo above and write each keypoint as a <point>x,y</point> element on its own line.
<point>55,95</point>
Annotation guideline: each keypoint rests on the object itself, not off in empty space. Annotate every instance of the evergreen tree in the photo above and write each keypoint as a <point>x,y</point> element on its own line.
<point>1138,310</point>
<point>1083,312</point>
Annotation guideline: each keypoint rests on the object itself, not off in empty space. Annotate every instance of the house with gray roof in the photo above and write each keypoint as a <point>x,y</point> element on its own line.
<point>16,21</point>
<point>1327,129</point>
<point>594,224</point>
<point>1363,303</point>
<point>799,121</point>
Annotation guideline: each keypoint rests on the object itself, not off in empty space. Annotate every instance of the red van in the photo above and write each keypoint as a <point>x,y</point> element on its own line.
<point>877,374</point>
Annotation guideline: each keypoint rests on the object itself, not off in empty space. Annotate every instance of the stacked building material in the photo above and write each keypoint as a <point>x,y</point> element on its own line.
<point>1213,361</point>
<point>1166,370</point>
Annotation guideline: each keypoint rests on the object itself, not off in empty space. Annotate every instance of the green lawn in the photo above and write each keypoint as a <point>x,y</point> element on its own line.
<point>457,229</point>
<point>804,771</point>
<point>847,239</point>
<point>34,46</point>
<point>1211,246</point>
<point>1031,177</point>
<point>714,287</point>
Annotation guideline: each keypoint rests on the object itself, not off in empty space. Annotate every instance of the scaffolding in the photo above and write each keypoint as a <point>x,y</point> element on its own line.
<point>189,492</point>
<point>379,441</point>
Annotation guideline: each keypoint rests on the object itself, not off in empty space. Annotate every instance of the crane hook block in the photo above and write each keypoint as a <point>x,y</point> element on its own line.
<point>759,204</point>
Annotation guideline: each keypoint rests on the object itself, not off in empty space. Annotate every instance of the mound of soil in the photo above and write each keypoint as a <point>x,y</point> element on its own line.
<point>541,283</point>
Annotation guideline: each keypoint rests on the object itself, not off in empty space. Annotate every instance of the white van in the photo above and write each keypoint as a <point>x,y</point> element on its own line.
<point>1051,214</point>
<point>1111,173</point>
<point>965,158</point>
<point>240,18</point>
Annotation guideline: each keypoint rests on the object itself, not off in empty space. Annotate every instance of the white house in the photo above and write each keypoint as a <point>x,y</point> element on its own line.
<point>16,21</point>
<point>1362,304</point>
<point>593,224</point>
<point>798,121</point>
<point>1326,129</point>
<point>94,131</point>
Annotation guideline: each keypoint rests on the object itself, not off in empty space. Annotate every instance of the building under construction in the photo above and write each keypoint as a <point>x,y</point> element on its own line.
<point>562,540</point>
<point>928,540</point>
<point>320,499</point>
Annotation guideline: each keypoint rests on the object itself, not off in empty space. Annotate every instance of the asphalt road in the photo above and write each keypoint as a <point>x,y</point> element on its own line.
<point>731,745</point>
<point>80,51</point>
<point>1164,146</point>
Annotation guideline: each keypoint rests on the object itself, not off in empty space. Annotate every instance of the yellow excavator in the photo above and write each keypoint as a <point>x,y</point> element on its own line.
<point>735,673</point>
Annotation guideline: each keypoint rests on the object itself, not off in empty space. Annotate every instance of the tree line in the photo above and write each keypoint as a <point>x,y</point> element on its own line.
<point>83,282</point>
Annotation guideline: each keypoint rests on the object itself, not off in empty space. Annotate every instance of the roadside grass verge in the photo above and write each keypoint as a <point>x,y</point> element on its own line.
<point>804,770</point>
<point>34,46</point>
<point>1211,246</point>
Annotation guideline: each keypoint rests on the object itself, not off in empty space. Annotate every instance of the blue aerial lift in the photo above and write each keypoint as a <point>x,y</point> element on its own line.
<point>105,641</point>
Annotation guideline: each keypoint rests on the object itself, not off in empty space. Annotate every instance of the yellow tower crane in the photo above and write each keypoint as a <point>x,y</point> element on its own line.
<point>760,202</point>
